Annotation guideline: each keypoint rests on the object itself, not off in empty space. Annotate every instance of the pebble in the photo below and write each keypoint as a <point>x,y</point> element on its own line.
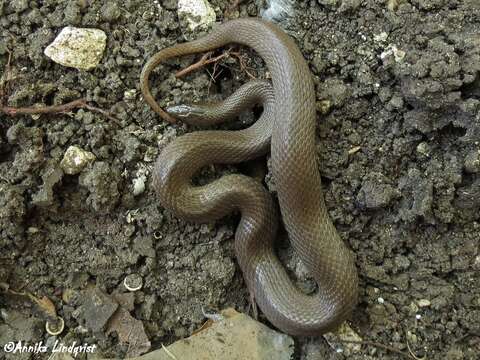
<point>51,176</point>
<point>19,5</point>
<point>398,54</point>
<point>375,193</point>
<point>324,106</point>
<point>236,337</point>
<point>380,37</point>
<point>96,310</point>
<point>424,303</point>
<point>197,13</point>
<point>79,48</point>
<point>472,161</point>
<point>139,185</point>
<point>75,160</point>
<point>424,149</point>
<point>130,95</point>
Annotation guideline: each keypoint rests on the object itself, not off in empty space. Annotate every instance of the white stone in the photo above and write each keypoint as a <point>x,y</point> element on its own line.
<point>139,185</point>
<point>380,37</point>
<point>398,54</point>
<point>79,48</point>
<point>75,160</point>
<point>197,13</point>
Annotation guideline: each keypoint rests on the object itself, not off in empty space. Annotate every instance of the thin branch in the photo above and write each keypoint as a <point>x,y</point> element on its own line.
<point>243,66</point>
<point>13,111</point>
<point>204,60</point>
<point>55,109</point>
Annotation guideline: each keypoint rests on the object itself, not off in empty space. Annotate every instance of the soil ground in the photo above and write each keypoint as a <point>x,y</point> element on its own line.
<point>399,149</point>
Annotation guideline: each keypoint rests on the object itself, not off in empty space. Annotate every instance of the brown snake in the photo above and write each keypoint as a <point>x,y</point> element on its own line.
<point>287,124</point>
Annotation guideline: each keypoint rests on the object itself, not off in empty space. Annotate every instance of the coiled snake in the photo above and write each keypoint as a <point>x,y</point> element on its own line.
<point>287,128</point>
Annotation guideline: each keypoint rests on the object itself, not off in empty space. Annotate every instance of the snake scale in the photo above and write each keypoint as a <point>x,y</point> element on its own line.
<point>286,128</point>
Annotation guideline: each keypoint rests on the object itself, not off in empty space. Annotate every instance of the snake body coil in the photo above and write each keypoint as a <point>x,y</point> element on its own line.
<point>288,121</point>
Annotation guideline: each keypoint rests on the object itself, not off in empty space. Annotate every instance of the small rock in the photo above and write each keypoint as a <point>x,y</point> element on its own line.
<point>130,95</point>
<point>411,337</point>
<point>392,5</point>
<point>375,192</point>
<point>424,149</point>
<point>278,10</point>
<point>324,106</point>
<point>423,303</point>
<point>51,176</point>
<point>101,179</point>
<point>139,185</point>
<point>79,48</point>
<point>380,37</point>
<point>196,13</point>
<point>349,5</point>
<point>19,5</point>
<point>110,11</point>
<point>96,310</point>
<point>318,63</point>
<point>472,161</point>
<point>75,160</point>
<point>417,196</point>
<point>335,90</point>
<point>236,337</point>
<point>398,54</point>
<point>395,103</point>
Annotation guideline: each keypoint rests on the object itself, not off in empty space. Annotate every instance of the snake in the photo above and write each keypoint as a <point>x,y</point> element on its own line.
<point>286,128</point>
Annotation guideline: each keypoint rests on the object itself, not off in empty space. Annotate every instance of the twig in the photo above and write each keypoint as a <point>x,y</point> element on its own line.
<point>410,349</point>
<point>55,109</point>
<point>243,66</point>
<point>204,60</point>
<point>13,111</point>
<point>103,112</point>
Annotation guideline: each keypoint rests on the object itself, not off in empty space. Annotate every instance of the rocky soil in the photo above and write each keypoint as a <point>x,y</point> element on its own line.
<point>398,90</point>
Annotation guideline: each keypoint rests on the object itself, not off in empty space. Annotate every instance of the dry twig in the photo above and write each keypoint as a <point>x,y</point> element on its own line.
<point>206,60</point>
<point>56,109</point>
<point>53,109</point>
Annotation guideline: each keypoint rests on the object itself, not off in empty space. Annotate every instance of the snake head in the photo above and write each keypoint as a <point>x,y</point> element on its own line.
<point>186,112</point>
